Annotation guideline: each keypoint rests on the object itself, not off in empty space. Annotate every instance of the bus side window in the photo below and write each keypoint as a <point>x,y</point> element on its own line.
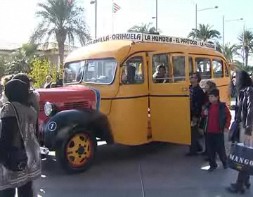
<point>190,65</point>
<point>178,68</point>
<point>203,67</point>
<point>160,68</point>
<point>217,68</point>
<point>133,71</point>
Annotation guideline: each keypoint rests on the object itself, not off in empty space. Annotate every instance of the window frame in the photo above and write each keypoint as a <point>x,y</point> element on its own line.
<point>185,65</point>
<point>203,57</point>
<point>222,67</point>
<point>124,66</point>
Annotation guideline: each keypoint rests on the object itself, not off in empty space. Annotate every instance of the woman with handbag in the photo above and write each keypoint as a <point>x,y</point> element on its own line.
<point>20,160</point>
<point>244,116</point>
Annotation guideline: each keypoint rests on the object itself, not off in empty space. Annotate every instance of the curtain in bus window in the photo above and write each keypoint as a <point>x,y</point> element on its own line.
<point>133,71</point>
<point>217,68</point>
<point>178,68</point>
<point>160,68</point>
<point>203,67</point>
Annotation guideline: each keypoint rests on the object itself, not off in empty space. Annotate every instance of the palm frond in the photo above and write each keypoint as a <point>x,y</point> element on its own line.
<point>60,20</point>
<point>204,33</point>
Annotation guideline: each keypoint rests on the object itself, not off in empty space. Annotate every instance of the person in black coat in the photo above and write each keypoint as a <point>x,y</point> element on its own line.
<point>197,98</point>
<point>244,116</point>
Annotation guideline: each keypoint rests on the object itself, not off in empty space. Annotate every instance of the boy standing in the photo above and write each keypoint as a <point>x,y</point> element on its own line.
<point>218,122</point>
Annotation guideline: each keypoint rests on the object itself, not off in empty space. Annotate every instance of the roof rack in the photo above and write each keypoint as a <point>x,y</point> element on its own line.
<point>141,37</point>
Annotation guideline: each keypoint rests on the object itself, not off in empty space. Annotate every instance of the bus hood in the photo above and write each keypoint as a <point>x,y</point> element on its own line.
<point>73,95</point>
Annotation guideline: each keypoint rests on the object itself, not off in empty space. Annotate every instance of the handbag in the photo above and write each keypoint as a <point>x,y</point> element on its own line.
<point>16,157</point>
<point>241,158</point>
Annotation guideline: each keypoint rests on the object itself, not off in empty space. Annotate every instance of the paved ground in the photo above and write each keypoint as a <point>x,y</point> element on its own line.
<point>158,169</point>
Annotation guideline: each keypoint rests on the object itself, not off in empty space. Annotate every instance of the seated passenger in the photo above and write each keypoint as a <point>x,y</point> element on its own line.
<point>128,75</point>
<point>131,74</point>
<point>160,75</point>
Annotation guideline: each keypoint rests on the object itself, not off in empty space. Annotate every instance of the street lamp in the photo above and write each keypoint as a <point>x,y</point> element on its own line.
<point>156,14</point>
<point>223,27</point>
<point>196,13</point>
<point>95,3</point>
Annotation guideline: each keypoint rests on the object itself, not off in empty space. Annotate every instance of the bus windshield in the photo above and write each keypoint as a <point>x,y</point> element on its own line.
<point>100,71</point>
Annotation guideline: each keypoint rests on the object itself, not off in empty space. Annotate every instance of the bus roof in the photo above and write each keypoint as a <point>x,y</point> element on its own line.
<point>119,45</point>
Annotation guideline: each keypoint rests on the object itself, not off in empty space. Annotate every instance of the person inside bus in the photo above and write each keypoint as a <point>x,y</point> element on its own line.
<point>131,74</point>
<point>160,75</point>
<point>197,97</point>
<point>128,75</point>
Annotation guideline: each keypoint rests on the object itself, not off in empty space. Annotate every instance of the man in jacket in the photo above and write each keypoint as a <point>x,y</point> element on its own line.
<point>197,97</point>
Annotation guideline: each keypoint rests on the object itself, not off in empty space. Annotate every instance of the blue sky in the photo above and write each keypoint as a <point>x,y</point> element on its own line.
<point>175,17</point>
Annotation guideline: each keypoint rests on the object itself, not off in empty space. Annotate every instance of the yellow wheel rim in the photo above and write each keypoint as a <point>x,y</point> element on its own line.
<point>79,150</point>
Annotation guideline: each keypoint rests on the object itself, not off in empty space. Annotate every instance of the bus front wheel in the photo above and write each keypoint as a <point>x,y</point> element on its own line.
<point>77,151</point>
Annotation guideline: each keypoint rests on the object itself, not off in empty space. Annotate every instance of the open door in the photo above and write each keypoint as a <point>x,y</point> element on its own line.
<point>169,100</point>
<point>130,107</point>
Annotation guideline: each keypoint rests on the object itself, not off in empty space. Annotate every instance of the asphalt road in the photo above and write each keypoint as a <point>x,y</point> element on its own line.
<point>158,169</point>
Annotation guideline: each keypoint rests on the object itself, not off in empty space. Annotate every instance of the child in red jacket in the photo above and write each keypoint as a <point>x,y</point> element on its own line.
<point>218,122</point>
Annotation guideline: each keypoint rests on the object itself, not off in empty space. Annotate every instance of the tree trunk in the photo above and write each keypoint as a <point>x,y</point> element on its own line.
<point>246,56</point>
<point>61,37</point>
<point>61,53</point>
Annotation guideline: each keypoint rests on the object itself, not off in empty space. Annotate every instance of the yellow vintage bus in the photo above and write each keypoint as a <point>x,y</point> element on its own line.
<point>142,110</point>
<point>140,106</point>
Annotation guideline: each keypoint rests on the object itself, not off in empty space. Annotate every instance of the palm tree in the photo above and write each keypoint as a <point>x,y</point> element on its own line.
<point>143,28</point>
<point>229,51</point>
<point>63,20</point>
<point>246,44</point>
<point>241,66</point>
<point>204,33</point>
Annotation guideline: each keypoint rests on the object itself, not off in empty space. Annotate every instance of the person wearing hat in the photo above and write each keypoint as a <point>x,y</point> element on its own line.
<point>18,136</point>
<point>33,98</point>
<point>218,121</point>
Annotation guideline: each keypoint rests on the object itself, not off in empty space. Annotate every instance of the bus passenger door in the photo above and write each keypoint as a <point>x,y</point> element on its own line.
<point>169,101</point>
<point>130,106</point>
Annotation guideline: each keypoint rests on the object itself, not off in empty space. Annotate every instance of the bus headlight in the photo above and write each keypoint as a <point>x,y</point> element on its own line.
<point>49,108</point>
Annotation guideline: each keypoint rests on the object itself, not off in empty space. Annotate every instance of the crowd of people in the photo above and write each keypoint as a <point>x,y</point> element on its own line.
<point>210,117</point>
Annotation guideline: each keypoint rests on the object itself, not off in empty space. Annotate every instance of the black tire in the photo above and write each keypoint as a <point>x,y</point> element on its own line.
<point>77,151</point>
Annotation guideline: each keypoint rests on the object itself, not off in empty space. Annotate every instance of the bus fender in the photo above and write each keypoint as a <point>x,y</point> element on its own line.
<point>65,123</point>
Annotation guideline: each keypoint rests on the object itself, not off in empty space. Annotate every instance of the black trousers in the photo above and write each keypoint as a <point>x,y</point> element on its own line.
<point>243,179</point>
<point>195,136</point>
<point>23,191</point>
<point>215,144</point>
